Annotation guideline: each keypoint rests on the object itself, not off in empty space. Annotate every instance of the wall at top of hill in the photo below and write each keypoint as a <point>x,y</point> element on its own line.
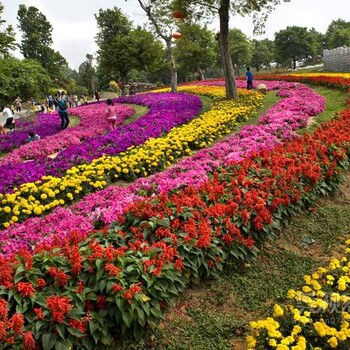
<point>337,60</point>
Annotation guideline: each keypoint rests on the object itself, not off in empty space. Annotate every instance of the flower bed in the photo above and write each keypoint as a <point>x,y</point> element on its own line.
<point>92,122</point>
<point>167,111</point>
<point>155,154</point>
<point>44,124</point>
<point>81,292</point>
<point>316,317</point>
<point>104,206</point>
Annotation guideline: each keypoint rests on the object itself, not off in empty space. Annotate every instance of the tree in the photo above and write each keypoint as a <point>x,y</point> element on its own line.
<point>37,39</point>
<point>263,52</point>
<point>7,37</point>
<point>338,34</point>
<point>293,44</point>
<point>241,49</point>
<point>257,9</point>
<point>122,47</point>
<point>87,74</point>
<point>159,16</point>
<point>23,78</point>
<point>196,50</point>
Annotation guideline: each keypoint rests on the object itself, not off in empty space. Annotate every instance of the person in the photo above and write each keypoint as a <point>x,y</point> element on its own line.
<point>97,96</point>
<point>132,89</point>
<point>62,111</point>
<point>75,100</point>
<point>111,115</point>
<point>50,102</point>
<point>10,122</point>
<point>249,76</point>
<point>18,104</point>
<point>33,136</point>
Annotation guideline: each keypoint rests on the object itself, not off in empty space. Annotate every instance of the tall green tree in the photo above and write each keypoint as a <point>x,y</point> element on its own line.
<point>23,78</point>
<point>257,9</point>
<point>7,36</point>
<point>241,49</point>
<point>263,53</point>
<point>37,39</point>
<point>292,45</point>
<point>195,52</point>
<point>87,74</point>
<point>122,47</point>
<point>338,34</point>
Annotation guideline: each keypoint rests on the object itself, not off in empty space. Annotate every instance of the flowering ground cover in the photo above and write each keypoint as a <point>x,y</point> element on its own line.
<point>104,206</point>
<point>161,118</point>
<point>81,292</point>
<point>90,289</point>
<point>316,316</point>
<point>331,80</point>
<point>44,124</point>
<point>155,154</point>
<point>92,122</point>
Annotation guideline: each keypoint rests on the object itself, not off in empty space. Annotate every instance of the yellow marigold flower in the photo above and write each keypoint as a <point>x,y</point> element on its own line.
<point>7,210</point>
<point>37,210</point>
<point>251,342</point>
<point>333,342</point>
<point>43,196</point>
<point>291,294</point>
<point>277,311</point>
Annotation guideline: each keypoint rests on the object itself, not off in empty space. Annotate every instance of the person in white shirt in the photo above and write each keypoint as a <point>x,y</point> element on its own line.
<point>8,117</point>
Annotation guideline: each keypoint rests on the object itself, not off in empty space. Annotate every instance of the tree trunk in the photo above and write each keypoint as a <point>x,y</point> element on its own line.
<point>294,63</point>
<point>201,74</point>
<point>230,81</point>
<point>173,71</point>
<point>123,84</point>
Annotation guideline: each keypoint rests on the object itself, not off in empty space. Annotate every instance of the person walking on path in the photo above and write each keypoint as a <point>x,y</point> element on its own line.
<point>62,111</point>
<point>18,104</point>
<point>249,76</point>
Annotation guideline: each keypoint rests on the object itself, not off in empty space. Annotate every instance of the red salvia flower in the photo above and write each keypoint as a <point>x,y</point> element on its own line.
<point>116,287</point>
<point>40,283</point>
<point>39,313</point>
<point>3,310</point>
<point>26,289</point>
<point>28,341</point>
<point>59,307</point>
<point>3,333</point>
<point>17,323</point>
<point>77,324</point>
<point>113,271</point>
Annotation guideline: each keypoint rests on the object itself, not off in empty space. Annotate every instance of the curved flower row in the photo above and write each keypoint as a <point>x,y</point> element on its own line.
<point>316,317</point>
<point>104,206</point>
<point>166,111</point>
<point>155,154</point>
<point>44,124</point>
<point>332,80</point>
<point>80,292</point>
<point>92,122</point>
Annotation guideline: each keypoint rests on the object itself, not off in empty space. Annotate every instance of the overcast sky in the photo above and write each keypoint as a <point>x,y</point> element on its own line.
<point>74,25</point>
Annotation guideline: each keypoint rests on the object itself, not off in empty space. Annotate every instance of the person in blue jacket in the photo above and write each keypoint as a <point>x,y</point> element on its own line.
<point>249,76</point>
<point>62,111</point>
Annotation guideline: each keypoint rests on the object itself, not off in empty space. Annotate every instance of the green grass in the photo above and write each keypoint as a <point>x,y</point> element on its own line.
<point>139,112</point>
<point>335,102</point>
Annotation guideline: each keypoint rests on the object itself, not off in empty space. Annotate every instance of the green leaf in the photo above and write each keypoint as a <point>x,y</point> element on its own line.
<point>49,340</point>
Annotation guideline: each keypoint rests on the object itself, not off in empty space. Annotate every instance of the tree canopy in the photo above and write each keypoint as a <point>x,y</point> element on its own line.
<point>338,34</point>
<point>37,39</point>
<point>7,36</point>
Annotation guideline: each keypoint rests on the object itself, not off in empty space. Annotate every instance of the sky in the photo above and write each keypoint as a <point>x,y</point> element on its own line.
<point>74,24</point>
